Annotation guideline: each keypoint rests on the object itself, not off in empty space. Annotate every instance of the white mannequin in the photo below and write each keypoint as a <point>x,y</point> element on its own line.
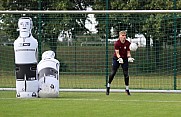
<point>25,26</point>
<point>26,48</point>
<point>48,75</point>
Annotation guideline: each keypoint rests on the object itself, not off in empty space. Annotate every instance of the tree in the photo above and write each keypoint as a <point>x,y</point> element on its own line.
<point>50,29</point>
<point>46,26</point>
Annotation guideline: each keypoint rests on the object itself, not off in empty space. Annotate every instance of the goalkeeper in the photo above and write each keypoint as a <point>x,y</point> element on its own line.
<point>121,57</point>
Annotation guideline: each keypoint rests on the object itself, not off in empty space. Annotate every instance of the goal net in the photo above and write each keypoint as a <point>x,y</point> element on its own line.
<point>84,44</point>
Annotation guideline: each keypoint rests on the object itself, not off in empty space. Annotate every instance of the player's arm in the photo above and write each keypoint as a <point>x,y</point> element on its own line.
<point>117,53</point>
<point>128,54</point>
<point>130,59</point>
<point>120,60</point>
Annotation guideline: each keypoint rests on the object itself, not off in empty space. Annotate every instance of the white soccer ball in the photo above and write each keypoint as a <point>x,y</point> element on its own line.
<point>133,47</point>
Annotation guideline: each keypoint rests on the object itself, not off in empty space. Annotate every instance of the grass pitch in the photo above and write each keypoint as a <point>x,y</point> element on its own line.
<point>92,104</point>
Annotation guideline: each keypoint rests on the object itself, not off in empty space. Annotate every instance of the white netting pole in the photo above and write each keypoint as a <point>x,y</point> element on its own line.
<point>91,12</point>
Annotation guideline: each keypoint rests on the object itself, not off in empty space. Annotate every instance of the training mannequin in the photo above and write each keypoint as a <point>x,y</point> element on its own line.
<point>26,49</point>
<point>48,75</point>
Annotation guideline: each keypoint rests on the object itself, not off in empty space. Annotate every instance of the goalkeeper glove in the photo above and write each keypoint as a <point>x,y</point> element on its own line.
<point>130,59</point>
<point>120,60</point>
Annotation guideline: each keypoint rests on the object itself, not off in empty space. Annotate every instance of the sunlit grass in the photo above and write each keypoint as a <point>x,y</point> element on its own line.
<point>89,104</point>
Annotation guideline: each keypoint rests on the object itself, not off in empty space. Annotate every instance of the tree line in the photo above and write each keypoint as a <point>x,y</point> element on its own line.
<point>48,26</point>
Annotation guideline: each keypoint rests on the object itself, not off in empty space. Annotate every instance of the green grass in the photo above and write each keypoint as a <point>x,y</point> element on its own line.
<point>99,81</point>
<point>91,104</point>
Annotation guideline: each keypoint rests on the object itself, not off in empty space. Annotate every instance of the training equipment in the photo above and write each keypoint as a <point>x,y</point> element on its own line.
<point>48,75</point>
<point>25,25</point>
<point>120,60</point>
<point>25,48</point>
<point>26,89</point>
<point>131,59</point>
<point>48,55</point>
<point>133,47</point>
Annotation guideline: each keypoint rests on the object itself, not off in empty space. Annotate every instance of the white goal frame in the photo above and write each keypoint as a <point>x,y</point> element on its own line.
<point>89,12</point>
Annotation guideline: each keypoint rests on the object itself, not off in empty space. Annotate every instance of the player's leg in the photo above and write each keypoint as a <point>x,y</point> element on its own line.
<point>115,66</point>
<point>126,76</point>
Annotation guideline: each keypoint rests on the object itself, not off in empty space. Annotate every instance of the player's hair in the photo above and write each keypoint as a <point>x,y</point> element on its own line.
<point>122,32</point>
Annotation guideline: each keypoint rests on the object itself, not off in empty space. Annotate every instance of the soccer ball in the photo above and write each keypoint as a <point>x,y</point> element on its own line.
<point>133,47</point>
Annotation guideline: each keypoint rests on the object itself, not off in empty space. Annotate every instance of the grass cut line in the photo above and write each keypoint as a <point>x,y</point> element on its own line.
<point>82,99</point>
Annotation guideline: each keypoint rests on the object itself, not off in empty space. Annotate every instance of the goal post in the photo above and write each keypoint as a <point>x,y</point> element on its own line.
<point>91,12</point>
<point>83,42</point>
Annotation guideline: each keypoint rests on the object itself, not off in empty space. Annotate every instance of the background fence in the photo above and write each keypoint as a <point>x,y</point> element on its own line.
<point>83,41</point>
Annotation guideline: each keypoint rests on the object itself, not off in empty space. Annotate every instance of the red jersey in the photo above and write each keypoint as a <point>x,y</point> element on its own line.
<point>122,47</point>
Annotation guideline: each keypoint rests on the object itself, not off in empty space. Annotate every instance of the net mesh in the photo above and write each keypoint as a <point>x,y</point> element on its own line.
<point>84,44</point>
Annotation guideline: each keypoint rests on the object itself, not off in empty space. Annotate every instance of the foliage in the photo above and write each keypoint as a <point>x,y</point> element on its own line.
<point>76,22</point>
<point>148,21</point>
<point>44,28</point>
<point>1,7</point>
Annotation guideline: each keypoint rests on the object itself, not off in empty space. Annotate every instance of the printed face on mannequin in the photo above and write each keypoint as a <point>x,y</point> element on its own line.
<point>24,25</point>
